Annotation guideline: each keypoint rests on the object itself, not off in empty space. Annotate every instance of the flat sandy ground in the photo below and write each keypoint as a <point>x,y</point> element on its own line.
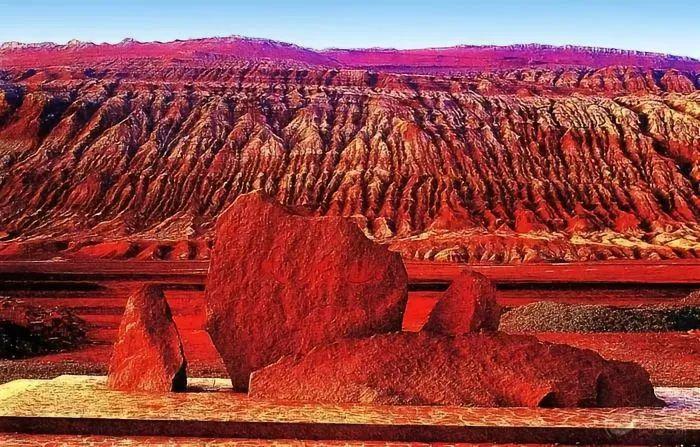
<point>97,291</point>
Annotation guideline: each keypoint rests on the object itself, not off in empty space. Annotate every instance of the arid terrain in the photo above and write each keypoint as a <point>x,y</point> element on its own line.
<point>563,174</point>
<point>489,155</point>
<point>97,291</point>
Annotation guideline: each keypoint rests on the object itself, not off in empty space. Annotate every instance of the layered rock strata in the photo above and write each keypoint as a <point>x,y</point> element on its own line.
<point>519,165</point>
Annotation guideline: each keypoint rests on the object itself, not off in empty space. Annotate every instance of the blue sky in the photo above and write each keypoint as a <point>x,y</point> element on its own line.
<point>667,26</point>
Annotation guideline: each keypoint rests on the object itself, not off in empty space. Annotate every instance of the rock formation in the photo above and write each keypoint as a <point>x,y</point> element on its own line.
<point>544,316</point>
<point>491,57</point>
<point>282,283</point>
<point>489,370</point>
<point>524,163</point>
<point>468,305</point>
<point>148,354</point>
<point>27,330</point>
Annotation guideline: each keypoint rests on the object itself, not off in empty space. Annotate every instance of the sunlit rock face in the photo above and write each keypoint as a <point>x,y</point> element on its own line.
<point>468,305</point>
<point>482,370</point>
<point>283,283</point>
<point>148,354</point>
<point>497,164</point>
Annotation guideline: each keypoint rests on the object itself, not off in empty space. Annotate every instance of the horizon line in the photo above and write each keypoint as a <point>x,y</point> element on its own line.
<point>129,39</point>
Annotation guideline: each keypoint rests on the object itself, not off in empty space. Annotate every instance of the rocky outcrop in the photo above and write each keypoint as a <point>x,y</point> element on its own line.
<point>472,370</point>
<point>518,165</point>
<point>29,330</point>
<point>282,283</point>
<point>212,48</point>
<point>544,316</point>
<point>148,353</point>
<point>468,305</point>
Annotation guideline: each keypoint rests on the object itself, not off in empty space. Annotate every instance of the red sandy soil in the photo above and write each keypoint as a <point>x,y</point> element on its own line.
<point>613,272</point>
<point>98,291</point>
<point>671,271</point>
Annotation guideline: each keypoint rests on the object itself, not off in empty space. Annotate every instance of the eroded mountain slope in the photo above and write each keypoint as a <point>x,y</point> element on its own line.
<point>507,166</point>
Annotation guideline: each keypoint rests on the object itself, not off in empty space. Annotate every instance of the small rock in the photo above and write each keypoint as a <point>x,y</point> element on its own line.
<point>468,305</point>
<point>148,354</point>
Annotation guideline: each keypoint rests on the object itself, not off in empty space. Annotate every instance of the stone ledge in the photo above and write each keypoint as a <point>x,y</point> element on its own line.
<point>20,440</point>
<point>81,405</point>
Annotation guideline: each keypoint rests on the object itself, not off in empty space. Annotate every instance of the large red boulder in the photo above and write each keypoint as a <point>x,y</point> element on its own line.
<point>282,283</point>
<point>468,305</point>
<point>489,370</point>
<point>148,354</point>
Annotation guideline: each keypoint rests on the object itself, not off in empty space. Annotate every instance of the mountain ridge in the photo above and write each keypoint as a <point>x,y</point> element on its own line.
<point>528,163</point>
<point>462,56</point>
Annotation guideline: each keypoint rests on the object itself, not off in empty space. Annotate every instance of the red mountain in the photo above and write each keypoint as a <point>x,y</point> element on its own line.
<point>47,53</point>
<point>462,57</point>
<point>470,57</point>
<point>501,154</point>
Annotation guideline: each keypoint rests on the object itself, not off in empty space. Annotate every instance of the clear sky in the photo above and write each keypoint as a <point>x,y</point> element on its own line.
<point>671,26</point>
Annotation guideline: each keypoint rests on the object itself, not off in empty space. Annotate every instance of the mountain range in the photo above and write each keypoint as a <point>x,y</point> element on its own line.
<point>521,153</point>
<point>436,59</point>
